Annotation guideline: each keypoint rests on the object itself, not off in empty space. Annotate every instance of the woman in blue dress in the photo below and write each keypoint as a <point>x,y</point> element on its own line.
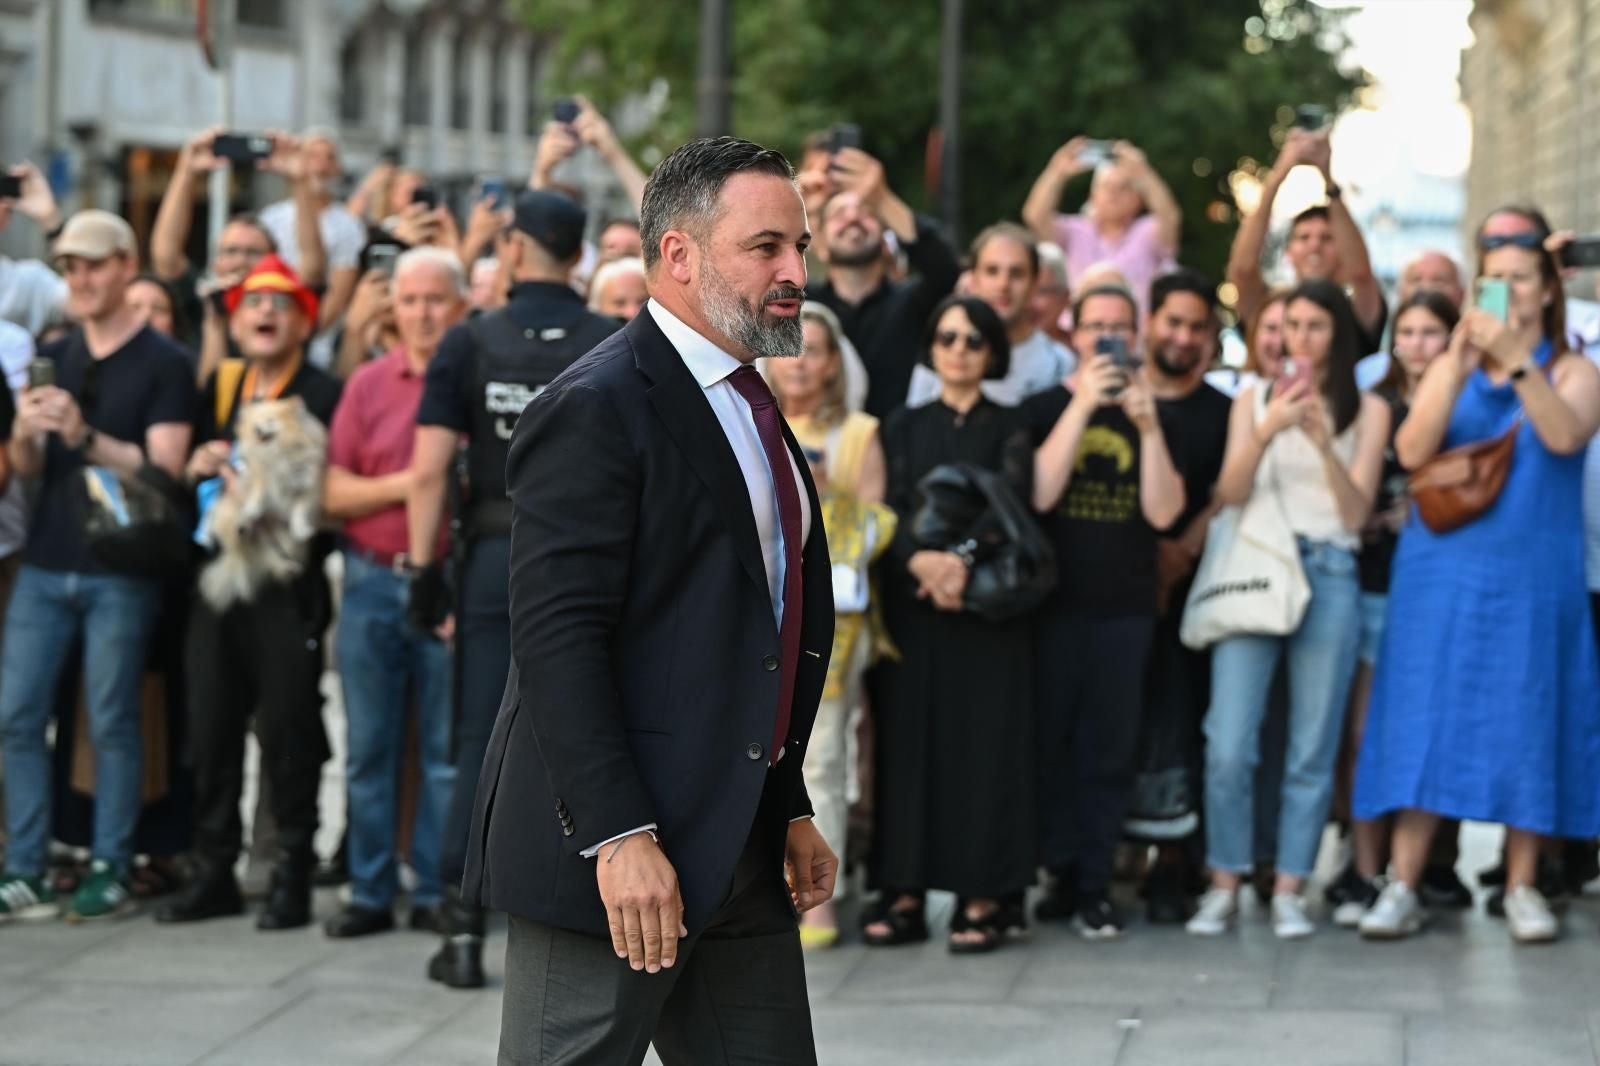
<point>1486,703</point>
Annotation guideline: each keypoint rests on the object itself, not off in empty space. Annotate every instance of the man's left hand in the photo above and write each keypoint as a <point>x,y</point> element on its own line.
<point>809,865</point>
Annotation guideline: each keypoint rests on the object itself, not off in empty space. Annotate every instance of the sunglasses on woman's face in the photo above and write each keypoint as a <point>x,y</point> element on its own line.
<point>1530,241</point>
<point>948,338</point>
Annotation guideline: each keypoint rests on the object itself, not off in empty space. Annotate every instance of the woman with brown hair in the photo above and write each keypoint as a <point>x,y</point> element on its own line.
<point>1486,703</point>
<point>1422,327</point>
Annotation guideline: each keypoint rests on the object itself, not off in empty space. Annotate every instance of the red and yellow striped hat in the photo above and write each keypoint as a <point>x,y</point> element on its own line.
<point>272,274</point>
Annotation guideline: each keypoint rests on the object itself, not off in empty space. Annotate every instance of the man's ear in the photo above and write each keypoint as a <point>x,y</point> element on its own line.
<point>677,255</point>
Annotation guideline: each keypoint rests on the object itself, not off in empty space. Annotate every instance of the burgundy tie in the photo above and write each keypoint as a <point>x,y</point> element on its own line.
<point>764,409</point>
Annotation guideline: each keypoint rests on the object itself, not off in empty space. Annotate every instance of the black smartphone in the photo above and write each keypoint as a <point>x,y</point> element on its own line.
<point>844,135</point>
<point>425,194</point>
<point>10,187</point>
<point>41,372</point>
<point>241,147</point>
<point>1310,117</point>
<point>1115,348</point>
<point>565,110</point>
<point>381,257</point>
<point>1581,252</point>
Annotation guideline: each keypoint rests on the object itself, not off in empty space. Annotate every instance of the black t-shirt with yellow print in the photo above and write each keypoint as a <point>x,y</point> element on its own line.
<point>1105,550</point>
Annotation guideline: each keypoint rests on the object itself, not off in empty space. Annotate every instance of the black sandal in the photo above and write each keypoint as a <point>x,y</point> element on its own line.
<point>991,926</point>
<point>907,925</point>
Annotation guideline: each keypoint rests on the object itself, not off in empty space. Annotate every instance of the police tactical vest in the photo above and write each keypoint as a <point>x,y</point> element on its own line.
<point>511,365</point>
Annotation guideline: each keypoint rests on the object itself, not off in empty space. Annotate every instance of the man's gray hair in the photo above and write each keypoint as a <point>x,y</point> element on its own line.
<point>682,193</point>
<point>603,277</point>
<point>444,261</point>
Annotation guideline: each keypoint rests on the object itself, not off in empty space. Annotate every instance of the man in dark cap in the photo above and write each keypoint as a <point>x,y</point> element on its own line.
<point>485,373</point>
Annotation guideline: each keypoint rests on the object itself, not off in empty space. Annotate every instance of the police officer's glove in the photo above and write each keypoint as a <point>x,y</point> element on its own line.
<point>431,600</point>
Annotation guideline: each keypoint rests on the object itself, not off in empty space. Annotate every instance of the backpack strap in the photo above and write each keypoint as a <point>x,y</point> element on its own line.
<point>230,372</point>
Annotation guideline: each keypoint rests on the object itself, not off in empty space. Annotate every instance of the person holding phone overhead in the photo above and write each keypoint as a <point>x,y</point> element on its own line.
<point>1131,219</point>
<point>1324,240</point>
<point>1486,703</point>
<point>1315,442</point>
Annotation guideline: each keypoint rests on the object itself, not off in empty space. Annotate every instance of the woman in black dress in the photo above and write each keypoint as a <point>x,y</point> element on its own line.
<point>954,781</point>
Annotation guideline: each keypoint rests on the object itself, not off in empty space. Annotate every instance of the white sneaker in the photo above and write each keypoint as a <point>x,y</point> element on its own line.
<point>1217,909</point>
<point>1398,913</point>
<point>1289,921</point>
<point>1528,916</point>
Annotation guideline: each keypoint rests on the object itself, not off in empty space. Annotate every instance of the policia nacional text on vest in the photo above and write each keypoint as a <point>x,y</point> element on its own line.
<point>512,364</point>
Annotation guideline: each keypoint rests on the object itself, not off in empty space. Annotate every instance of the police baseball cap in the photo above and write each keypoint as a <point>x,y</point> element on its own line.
<point>557,222</point>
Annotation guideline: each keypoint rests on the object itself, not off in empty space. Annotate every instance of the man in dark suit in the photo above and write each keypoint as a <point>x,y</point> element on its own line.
<point>641,803</point>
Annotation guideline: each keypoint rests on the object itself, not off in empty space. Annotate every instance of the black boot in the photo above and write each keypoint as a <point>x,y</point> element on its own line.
<point>459,961</point>
<point>212,892</point>
<point>289,893</point>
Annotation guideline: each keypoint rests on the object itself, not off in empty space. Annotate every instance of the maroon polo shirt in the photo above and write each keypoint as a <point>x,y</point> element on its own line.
<point>373,433</point>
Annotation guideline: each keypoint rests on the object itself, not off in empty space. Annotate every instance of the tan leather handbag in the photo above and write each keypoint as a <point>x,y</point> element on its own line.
<point>1457,486</point>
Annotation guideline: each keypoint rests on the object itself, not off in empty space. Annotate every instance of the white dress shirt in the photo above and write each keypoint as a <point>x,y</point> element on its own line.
<point>711,366</point>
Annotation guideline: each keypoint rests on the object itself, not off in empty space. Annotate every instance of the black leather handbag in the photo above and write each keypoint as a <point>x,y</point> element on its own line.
<point>137,526</point>
<point>973,512</point>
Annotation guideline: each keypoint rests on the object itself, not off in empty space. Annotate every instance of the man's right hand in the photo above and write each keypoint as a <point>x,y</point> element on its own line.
<point>1067,162</point>
<point>197,156</point>
<point>208,460</point>
<point>429,601</point>
<point>558,142</point>
<point>644,907</point>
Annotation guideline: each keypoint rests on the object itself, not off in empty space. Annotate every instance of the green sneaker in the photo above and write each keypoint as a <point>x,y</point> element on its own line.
<point>102,895</point>
<point>26,899</point>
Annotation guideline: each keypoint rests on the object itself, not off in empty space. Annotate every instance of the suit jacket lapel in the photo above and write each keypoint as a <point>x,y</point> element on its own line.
<point>684,410</point>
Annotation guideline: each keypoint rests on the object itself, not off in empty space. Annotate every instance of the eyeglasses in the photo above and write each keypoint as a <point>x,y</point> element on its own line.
<point>278,301</point>
<point>1107,327</point>
<point>948,338</point>
<point>1532,242</point>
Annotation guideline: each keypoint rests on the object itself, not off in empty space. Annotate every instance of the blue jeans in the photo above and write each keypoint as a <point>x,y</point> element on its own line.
<point>1322,660</point>
<point>387,667</point>
<point>49,610</point>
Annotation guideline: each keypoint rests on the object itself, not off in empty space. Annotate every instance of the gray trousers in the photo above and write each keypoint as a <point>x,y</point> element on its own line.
<point>736,996</point>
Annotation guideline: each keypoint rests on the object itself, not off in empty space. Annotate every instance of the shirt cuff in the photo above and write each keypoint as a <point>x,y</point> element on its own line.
<point>589,853</point>
<point>802,818</point>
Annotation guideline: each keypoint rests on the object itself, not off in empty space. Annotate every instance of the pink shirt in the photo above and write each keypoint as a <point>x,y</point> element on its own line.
<point>1138,253</point>
<point>373,433</point>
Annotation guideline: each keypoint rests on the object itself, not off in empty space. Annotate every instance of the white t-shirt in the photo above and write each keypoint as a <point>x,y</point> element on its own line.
<point>343,235</point>
<point>31,294</point>
<point>1037,364</point>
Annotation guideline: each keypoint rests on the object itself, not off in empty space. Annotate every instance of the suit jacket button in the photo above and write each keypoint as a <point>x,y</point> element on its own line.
<point>770,663</point>
<point>754,751</point>
<point>566,830</point>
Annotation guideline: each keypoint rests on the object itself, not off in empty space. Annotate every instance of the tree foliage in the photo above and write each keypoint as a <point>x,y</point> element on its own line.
<point>1200,85</point>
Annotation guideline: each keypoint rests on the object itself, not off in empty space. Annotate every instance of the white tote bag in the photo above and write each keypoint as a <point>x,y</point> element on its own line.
<point>1250,579</point>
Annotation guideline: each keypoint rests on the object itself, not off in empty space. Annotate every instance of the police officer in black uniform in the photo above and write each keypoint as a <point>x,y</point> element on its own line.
<point>486,371</point>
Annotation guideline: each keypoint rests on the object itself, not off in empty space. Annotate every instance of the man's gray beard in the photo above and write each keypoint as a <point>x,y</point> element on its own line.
<point>746,326</point>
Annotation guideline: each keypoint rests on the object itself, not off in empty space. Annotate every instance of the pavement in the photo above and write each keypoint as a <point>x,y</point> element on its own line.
<point>130,992</point>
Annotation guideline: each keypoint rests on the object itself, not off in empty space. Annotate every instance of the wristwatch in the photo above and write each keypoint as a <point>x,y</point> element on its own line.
<point>89,435</point>
<point>1334,192</point>
<point>1522,371</point>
